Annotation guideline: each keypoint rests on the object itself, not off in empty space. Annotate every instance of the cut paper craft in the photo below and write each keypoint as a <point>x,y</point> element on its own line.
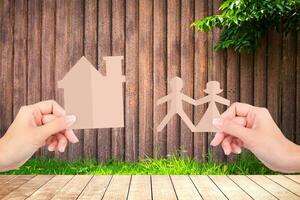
<point>96,100</point>
<point>176,98</point>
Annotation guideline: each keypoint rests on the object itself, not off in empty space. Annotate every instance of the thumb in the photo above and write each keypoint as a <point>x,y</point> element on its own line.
<point>232,128</point>
<point>56,125</point>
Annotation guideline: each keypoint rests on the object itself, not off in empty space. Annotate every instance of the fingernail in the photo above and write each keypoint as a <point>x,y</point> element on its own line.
<point>212,143</point>
<point>226,152</point>
<point>62,149</point>
<point>70,120</point>
<point>217,122</point>
<point>50,148</point>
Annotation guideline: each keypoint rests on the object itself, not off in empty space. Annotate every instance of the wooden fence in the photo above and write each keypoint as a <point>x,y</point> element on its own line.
<point>41,40</point>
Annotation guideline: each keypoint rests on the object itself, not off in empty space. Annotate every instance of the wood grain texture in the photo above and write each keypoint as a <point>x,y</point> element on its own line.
<point>62,52</point>
<point>96,188</point>
<point>118,49</point>
<point>273,188</point>
<point>187,74</point>
<point>229,188</point>
<point>90,52</point>
<point>173,69</point>
<point>216,72</point>
<point>274,62</point>
<point>162,188</point>
<point>159,75</point>
<point>232,79</point>
<point>13,184</point>
<point>260,75</point>
<point>48,56</point>
<point>145,78</point>
<point>298,92</point>
<point>185,188</point>
<point>76,52</point>
<point>20,56</point>
<point>6,64</point>
<point>132,81</point>
<point>118,188</point>
<point>140,188</point>
<point>207,188</point>
<point>104,49</point>
<point>200,79</point>
<point>288,88</point>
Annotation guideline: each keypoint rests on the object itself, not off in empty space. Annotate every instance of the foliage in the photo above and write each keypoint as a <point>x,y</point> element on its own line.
<point>244,22</point>
<point>246,164</point>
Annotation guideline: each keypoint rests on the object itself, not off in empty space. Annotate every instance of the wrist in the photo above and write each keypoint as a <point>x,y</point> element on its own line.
<point>292,158</point>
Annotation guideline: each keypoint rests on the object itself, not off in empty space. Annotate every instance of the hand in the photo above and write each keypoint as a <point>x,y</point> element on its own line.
<point>243,125</point>
<point>35,126</point>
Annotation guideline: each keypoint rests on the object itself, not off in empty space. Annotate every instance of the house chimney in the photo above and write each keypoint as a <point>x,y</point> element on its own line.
<point>113,66</point>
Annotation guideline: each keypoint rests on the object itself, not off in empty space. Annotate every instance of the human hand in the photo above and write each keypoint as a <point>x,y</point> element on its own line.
<point>43,123</point>
<point>243,125</point>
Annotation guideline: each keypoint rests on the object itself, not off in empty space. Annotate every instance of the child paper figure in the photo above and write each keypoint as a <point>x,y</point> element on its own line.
<point>212,89</point>
<point>176,97</point>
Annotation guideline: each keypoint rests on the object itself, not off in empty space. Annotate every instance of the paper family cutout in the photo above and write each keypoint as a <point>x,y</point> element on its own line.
<point>96,100</point>
<point>176,98</point>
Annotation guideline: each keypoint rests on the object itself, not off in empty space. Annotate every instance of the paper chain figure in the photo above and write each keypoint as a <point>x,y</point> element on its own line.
<point>176,98</point>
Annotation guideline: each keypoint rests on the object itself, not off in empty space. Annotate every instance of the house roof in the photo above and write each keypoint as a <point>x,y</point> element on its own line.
<point>81,70</point>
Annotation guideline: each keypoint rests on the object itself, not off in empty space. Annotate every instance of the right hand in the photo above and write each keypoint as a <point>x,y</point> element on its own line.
<point>243,125</point>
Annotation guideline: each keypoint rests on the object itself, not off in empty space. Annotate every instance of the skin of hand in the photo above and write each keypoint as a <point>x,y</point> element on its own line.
<point>243,125</point>
<point>43,123</point>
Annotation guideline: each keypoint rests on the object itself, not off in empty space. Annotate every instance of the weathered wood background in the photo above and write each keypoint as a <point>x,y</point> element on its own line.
<point>42,39</point>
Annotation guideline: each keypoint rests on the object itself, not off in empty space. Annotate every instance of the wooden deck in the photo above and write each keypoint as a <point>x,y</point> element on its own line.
<point>150,187</point>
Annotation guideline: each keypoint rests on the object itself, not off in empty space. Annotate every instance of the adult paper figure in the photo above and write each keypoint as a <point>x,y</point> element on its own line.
<point>176,97</point>
<point>212,89</point>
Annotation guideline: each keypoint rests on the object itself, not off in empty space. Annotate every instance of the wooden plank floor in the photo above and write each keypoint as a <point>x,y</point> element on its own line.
<point>157,187</point>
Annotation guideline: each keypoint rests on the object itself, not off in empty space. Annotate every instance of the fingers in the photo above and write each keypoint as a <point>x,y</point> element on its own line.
<point>237,109</point>
<point>56,125</point>
<point>50,107</point>
<point>231,128</point>
<point>217,139</point>
<point>226,145</point>
<point>62,142</point>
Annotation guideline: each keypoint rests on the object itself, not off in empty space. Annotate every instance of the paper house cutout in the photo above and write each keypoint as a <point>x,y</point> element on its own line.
<point>176,98</point>
<point>96,100</point>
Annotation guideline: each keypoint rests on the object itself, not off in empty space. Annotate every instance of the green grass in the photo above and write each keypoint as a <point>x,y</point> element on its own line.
<point>245,164</point>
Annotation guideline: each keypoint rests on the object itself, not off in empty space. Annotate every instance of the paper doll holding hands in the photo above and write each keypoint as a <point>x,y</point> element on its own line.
<point>212,89</point>
<point>176,97</point>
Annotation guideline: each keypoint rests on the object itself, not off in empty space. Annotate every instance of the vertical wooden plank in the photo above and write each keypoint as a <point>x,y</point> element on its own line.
<point>140,188</point>
<point>20,56</point>
<point>298,91</point>
<point>246,78</point>
<point>118,49</point>
<point>90,52</point>
<point>145,78</point>
<point>159,75</point>
<point>62,53</point>
<point>187,73</point>
<point>48,56</point>
<point>173,69</point>
<point>6,64</point>
<point>288,90</point>
<point>216,72</point>
<point>76,52</point>
<point>232,76</point>
<point>118,188</point>
<point>184,187</point>
<point>34,52</point>
<point>132,81</point>
<point>200,79</point>
<point>162,188</point>
<point>274,75</point>
<point>104,49</point>
<point>95,188</point>
<point>260,74</point>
